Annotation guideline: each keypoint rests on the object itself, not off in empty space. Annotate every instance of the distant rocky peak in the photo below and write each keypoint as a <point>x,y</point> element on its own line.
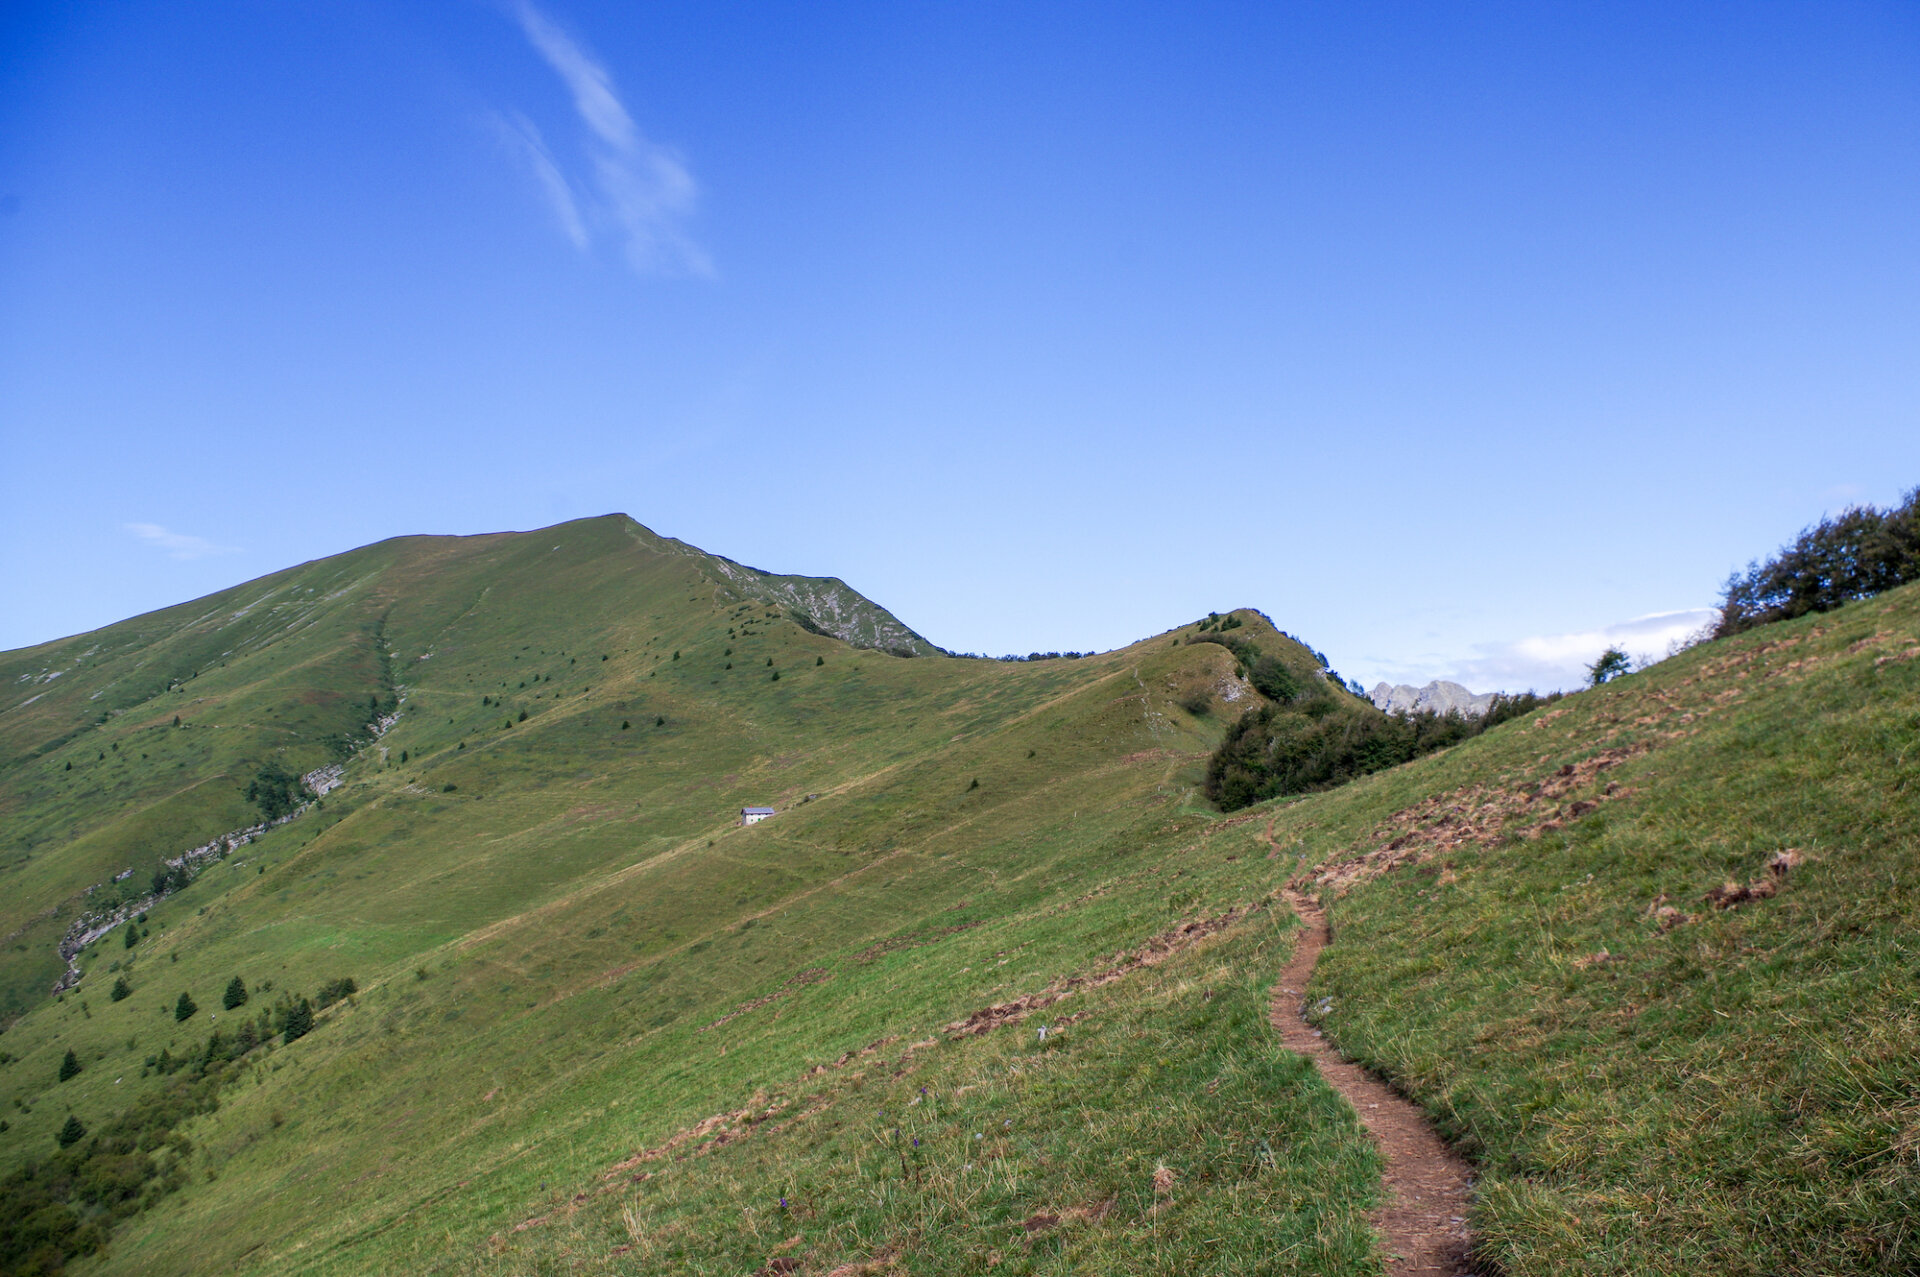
<point>1440,696</point>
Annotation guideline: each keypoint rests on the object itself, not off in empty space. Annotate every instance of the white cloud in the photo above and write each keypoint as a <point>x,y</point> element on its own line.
<point>641,192</point>
<point>1546,662</point>
<point>520,134</point>
<point>178,545</point>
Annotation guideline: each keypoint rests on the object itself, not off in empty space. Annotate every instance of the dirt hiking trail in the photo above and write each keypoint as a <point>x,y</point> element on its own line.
<point>1423,1221</point>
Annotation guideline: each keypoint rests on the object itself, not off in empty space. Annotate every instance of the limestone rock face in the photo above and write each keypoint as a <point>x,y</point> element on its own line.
<point>1439,696</point>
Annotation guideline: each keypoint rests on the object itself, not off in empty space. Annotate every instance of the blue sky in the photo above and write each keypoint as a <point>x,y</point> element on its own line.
<point>1458,339</point>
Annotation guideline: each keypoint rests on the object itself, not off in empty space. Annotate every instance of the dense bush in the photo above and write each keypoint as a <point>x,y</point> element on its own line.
<point>334,990</point>
<point>1853,555</point>
<point>62,1208</point>
<point>276,791</point>
<point>1318,740</point>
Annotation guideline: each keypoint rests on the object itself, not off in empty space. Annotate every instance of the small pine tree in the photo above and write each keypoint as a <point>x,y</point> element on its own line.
<point>133,936</point>
<point>523,718</point>
<point>299,1020</point>
<point>975,785</point>
<point>176,720</point>
<point>819,660</point>
<point>660,721</point>
<point>236,995</point>
<point>776,676</point>
<point>72,1133</point>
<point>403,755</point>
<point>624,724</point>
<point>121,989</point>
<point>185,1007</point>
<point>69,1065</point>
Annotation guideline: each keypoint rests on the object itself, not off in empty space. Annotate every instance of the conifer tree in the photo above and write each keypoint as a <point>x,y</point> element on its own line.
<point>72,1133</point>
<point>236,995</point>
<point>299,1020</point>
<point>185,1007</point>
<point>69,1065</point>
<point>120,989</point>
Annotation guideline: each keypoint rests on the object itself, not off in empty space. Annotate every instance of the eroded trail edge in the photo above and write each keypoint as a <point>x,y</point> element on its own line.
<point>1423,1221</point>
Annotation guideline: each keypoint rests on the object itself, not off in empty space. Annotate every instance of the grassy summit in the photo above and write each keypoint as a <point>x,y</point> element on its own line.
<point>598,1026</point>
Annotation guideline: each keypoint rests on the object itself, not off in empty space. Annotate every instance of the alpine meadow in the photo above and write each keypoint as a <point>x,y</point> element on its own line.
<point>394,913</point>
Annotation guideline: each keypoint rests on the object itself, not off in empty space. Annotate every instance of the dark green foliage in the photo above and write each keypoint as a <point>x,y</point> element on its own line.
<point>276,791</point>
<point>523,716</point>
<point>60,1209</point>
<point>176,720</point>
<point>121,990</point>
<point>1854,555</point>
<point>1610,665</point>
<point>819,660</point>
<point>1272,679</point>
<point>183,1009</point>
<point>624,724</point>
<point>449,788</point>
<point>334,990</point>
<point>299,1021</point>
<point>236,994</point>
<point>1320,743</point>
<point>1505,707</point>
<point>776,676</point>
<point>167,878</point>
<point>69,1065</point>
<point>660,721</point>
<point>132,937</point>
<point>975,785</point>
<point>403,755</point>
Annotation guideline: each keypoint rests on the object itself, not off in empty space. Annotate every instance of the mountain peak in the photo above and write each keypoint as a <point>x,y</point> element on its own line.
<point>1440,696</point>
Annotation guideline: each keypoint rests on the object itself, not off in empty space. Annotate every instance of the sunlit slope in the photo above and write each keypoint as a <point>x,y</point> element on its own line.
<point>96,775</point>
<point>602,1026</point>
<point>1648,956</point>
<point>551,882</point>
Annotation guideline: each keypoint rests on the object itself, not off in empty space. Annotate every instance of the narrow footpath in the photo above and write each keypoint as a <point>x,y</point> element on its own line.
<point>1423,1221</point>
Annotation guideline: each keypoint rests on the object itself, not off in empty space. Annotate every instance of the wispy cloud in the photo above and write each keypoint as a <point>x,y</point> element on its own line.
<point>639,192</point>
<point>520,134</point>
<point>178,545</point>
<point>1549,661</point>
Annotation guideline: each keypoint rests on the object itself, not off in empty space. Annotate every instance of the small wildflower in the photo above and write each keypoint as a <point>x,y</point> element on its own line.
<point>916,1141</point>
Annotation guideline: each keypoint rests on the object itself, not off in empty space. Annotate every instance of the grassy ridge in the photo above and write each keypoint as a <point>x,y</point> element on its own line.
<point>1725,1089</point>
<point>573,957</point>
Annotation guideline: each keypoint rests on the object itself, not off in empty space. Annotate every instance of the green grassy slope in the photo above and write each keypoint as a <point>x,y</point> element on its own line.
<point>549,910</point>
<point>602,1028</point>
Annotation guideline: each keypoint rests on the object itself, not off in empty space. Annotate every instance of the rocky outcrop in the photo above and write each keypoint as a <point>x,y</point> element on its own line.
<point>1439,696</point>
<point>824,604</point>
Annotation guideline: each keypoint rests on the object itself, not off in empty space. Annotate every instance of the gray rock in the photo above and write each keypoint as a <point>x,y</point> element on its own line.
<point>1439,696</point>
